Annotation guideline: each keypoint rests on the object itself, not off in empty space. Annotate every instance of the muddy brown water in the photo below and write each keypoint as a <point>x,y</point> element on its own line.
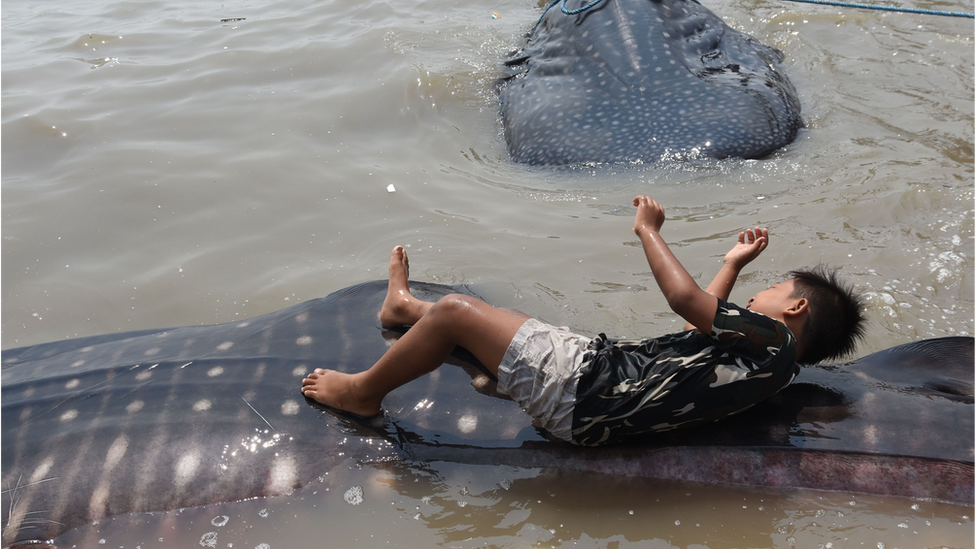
<point>163,167</point>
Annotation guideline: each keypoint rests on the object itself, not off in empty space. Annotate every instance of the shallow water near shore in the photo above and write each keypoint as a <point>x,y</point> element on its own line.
<point>183,163</point>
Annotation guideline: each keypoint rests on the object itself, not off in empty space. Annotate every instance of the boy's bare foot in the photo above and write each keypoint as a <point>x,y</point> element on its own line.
<point>336,390</point>
<point>400,308</point>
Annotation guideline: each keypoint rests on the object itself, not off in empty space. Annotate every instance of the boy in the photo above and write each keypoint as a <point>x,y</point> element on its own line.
<point>596,391</point>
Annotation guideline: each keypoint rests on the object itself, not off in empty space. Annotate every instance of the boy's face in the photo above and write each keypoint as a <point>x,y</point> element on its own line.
<point>775,300</point>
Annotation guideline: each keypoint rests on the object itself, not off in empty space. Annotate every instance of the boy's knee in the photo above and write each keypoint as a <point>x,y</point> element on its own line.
<point>453,304</point>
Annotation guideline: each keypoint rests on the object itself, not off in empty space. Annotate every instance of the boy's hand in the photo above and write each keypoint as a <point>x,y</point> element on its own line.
<point>650,214</point>
<point>751,243</point>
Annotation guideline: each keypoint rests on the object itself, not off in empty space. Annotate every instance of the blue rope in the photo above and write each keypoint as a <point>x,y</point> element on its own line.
<point>887,8</point>
<point>589,6</point>
<point>562,8</point>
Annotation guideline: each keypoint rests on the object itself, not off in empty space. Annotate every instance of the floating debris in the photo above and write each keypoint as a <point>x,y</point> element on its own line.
<point>220,521</point>
<point>354,495</point>
<point>209,540</point>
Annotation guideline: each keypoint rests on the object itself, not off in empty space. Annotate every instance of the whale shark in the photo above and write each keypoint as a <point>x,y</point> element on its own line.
<point>642,80</point>
<point>164,419</point>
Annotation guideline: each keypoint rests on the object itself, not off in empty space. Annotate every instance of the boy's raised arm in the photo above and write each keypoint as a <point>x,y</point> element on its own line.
<point>751,243</point>
<point>679,288</point>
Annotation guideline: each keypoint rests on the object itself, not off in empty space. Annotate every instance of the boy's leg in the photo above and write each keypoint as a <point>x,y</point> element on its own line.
<point>456,319</point>
<point>401,308</point>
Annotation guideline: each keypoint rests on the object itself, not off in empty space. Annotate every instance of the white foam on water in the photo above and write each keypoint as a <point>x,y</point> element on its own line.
<point>354,495</point>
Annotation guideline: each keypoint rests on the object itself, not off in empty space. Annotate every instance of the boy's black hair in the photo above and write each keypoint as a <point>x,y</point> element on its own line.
<point>836,321</point>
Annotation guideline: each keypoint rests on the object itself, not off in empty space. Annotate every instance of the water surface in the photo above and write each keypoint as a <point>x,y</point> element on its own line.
<point>163,165</point>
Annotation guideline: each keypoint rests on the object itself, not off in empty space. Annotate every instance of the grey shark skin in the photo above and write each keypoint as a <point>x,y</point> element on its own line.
<point>173,418</point>
<point>638,80</point>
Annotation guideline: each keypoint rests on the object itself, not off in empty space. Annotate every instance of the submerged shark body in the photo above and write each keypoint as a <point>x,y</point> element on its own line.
<point>638,80</point>
<point>166,419</point>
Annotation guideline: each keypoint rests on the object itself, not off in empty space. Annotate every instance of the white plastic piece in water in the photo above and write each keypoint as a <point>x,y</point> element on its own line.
<point>354,495</point>
<point>390,188</point>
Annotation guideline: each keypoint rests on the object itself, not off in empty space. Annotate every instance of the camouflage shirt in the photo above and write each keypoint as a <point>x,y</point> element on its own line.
<point>629,387</point>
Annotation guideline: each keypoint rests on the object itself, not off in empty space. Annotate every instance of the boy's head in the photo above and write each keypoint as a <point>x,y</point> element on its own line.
<point>829,311</point>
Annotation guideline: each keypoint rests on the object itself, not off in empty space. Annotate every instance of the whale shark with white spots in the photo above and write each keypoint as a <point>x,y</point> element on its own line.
<point>642,80</point>
<point>172,418</point>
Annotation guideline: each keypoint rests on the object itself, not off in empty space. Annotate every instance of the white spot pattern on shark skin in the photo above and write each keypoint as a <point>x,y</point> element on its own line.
<point>134,406</point>
<point>116,452</point>
<point>42,470</point>
<point>202,405</point>
<point>153,351</point>
<point>304,340</point>
<point>143,376</point>
<point>284,475</point>
<point>301,318</point>
<point>186,468</point>
<point>289,408</point>
<point>98,501</point>
<point>72,384</point>
<point>244,324</point>
<point>480,381</point>
<point>76,363</point>
<point>215,371</point>
<point>300,371</point>
<point>870,435</point>
<point>69,416</point>
<point>467,423</point>
<point>225,345</point>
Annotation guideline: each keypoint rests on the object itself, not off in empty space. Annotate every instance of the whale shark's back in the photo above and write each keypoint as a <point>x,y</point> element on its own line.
<point>172,418</point>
